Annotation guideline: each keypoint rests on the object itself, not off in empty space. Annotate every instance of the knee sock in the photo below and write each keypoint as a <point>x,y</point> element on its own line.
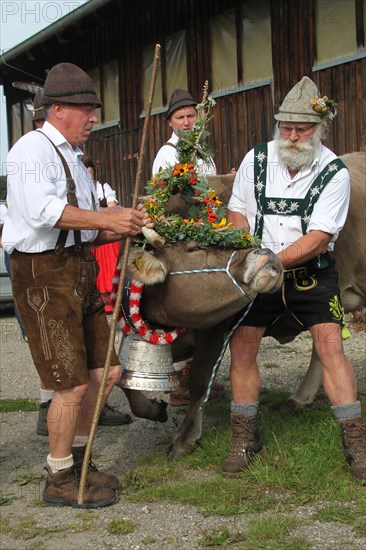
<point>344,412</point>
<point>46,395</point>
<point>247,409</point>
<point>57,464</point>
<point>80,440</point>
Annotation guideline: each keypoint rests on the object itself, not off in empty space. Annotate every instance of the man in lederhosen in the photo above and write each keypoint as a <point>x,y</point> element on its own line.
<point>53,217</point>
<point>293,193</point>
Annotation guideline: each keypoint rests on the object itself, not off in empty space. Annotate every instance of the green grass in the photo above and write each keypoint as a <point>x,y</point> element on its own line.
<point>120,527</point>
<point>18,405</point>
<point>26,529</point>
<point>303,464</point>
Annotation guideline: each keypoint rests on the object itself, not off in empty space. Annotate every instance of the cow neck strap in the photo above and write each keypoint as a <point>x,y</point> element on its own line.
<point>71,199</point>
<point>215,270</point>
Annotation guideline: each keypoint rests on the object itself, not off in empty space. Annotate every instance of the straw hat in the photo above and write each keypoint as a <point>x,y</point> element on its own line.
<point>67,83</point>
<point>179,98</point>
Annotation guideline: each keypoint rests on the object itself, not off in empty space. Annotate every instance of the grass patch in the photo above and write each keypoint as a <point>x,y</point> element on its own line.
<point>5,501</point>
<point>28,477</point>
<point>18,405</point>
<point>220,537</point>
<point>120,527</point>
<point>350,515</point>
<point>303,463</point>
<point>26,529</point>
<point>274,533</point>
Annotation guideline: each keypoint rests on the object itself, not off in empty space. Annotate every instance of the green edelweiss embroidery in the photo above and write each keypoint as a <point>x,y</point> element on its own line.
<point>336,309</point>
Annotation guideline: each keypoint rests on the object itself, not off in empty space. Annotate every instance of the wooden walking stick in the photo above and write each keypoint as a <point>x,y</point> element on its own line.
<point>127,247</point>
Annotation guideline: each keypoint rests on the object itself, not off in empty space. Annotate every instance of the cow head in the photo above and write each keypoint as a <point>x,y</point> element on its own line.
<point>215,283</point>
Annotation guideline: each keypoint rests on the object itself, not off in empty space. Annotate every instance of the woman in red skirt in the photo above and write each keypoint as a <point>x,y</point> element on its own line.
<point>106,254</point>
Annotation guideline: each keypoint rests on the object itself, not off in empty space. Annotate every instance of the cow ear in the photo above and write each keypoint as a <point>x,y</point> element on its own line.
<point>146,267</point>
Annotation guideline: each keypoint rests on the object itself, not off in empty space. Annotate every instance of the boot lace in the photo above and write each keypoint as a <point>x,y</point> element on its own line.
<point>355,437</point>
<point>244,435</point>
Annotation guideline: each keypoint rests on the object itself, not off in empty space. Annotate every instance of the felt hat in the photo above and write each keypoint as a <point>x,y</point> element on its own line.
<point>298,105</point>
<point>179,98</point>
<point>67,83</point>
<point>38,113</point>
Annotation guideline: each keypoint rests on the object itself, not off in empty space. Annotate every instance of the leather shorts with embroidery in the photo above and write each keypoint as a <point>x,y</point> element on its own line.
<point>311,295</point>
<point>62,313</point>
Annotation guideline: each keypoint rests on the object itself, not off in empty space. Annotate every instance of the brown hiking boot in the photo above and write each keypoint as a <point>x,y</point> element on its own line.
<point>245,444</point>
<point>94,477</point>
<point>181,397</point>
<point>353,433</point>
<point>62,489</point>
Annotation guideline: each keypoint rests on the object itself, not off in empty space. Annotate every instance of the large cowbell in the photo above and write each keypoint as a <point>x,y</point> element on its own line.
<point>147,367</point>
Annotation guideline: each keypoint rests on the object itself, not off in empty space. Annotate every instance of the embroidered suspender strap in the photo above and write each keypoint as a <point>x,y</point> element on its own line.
<point>260,178</point>
<point>316,188</point>
<point>71,199</point>
<point>280,206</point>
<point>170,144</point>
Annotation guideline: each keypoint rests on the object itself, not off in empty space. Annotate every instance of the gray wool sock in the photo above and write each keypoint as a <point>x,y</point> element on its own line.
<point>246,409</point>
<point>344,412</point>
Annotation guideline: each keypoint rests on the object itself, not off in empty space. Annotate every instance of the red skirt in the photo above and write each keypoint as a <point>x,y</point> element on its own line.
<point>107,257</point>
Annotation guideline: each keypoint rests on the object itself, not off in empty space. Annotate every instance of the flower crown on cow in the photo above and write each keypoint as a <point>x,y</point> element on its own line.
<point>205,219</point>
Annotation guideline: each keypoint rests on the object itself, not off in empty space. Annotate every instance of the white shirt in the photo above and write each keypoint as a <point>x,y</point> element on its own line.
<point>109,193</point>
<point>330,210</point>
<point>167,156</point>
<point>3,212</point>
<point>37,195</point>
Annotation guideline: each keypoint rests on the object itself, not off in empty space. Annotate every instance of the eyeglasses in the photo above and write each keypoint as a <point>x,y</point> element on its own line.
<point>300,130</point>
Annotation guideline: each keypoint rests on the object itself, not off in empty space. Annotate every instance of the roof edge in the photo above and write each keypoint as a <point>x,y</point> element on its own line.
<point>51,30</point>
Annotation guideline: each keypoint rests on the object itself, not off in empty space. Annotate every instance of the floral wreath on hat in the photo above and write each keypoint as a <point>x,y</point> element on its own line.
<point>326,108</point>
<point>205,221</point>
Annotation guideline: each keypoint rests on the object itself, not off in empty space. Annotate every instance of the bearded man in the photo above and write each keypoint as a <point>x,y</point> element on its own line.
<point>294,194</point>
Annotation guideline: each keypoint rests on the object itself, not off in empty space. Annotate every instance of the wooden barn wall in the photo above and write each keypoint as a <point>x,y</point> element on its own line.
<point>120,30</point>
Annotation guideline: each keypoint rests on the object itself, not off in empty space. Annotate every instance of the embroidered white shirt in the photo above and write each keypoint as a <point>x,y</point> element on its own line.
<point>279,231</point>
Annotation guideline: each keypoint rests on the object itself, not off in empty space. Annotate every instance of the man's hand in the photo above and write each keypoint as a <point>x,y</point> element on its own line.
<point>127,221</point>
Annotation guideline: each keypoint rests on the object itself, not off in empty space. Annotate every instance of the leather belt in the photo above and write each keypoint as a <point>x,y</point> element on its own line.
<point>295,273</point>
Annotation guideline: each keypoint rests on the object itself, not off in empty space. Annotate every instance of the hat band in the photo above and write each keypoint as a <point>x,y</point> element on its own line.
<point>66,94</point>
<point>180,100</point>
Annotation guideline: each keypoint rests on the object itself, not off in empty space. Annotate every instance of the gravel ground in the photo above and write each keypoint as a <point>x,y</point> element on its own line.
<point>115,449</point>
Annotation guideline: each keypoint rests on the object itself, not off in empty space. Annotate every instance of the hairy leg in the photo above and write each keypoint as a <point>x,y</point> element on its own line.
<point>338,375</point>
<point>244,373</point>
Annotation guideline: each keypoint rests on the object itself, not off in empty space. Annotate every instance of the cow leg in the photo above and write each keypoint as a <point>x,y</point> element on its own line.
<point>143,407</point>
<point>306,392</point>
<point>208,345</point>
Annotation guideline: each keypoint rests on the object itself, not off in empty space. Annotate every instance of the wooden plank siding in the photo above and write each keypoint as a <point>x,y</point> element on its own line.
<point>121,30</point>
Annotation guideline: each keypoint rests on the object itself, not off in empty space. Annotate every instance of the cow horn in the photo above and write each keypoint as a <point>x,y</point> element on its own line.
<point>153,238</point>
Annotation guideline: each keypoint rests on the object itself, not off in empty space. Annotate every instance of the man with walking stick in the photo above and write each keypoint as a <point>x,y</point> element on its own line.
<point>53,219</point>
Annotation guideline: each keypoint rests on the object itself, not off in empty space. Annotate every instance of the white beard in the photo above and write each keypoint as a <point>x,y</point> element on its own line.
<point>296,155</point>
